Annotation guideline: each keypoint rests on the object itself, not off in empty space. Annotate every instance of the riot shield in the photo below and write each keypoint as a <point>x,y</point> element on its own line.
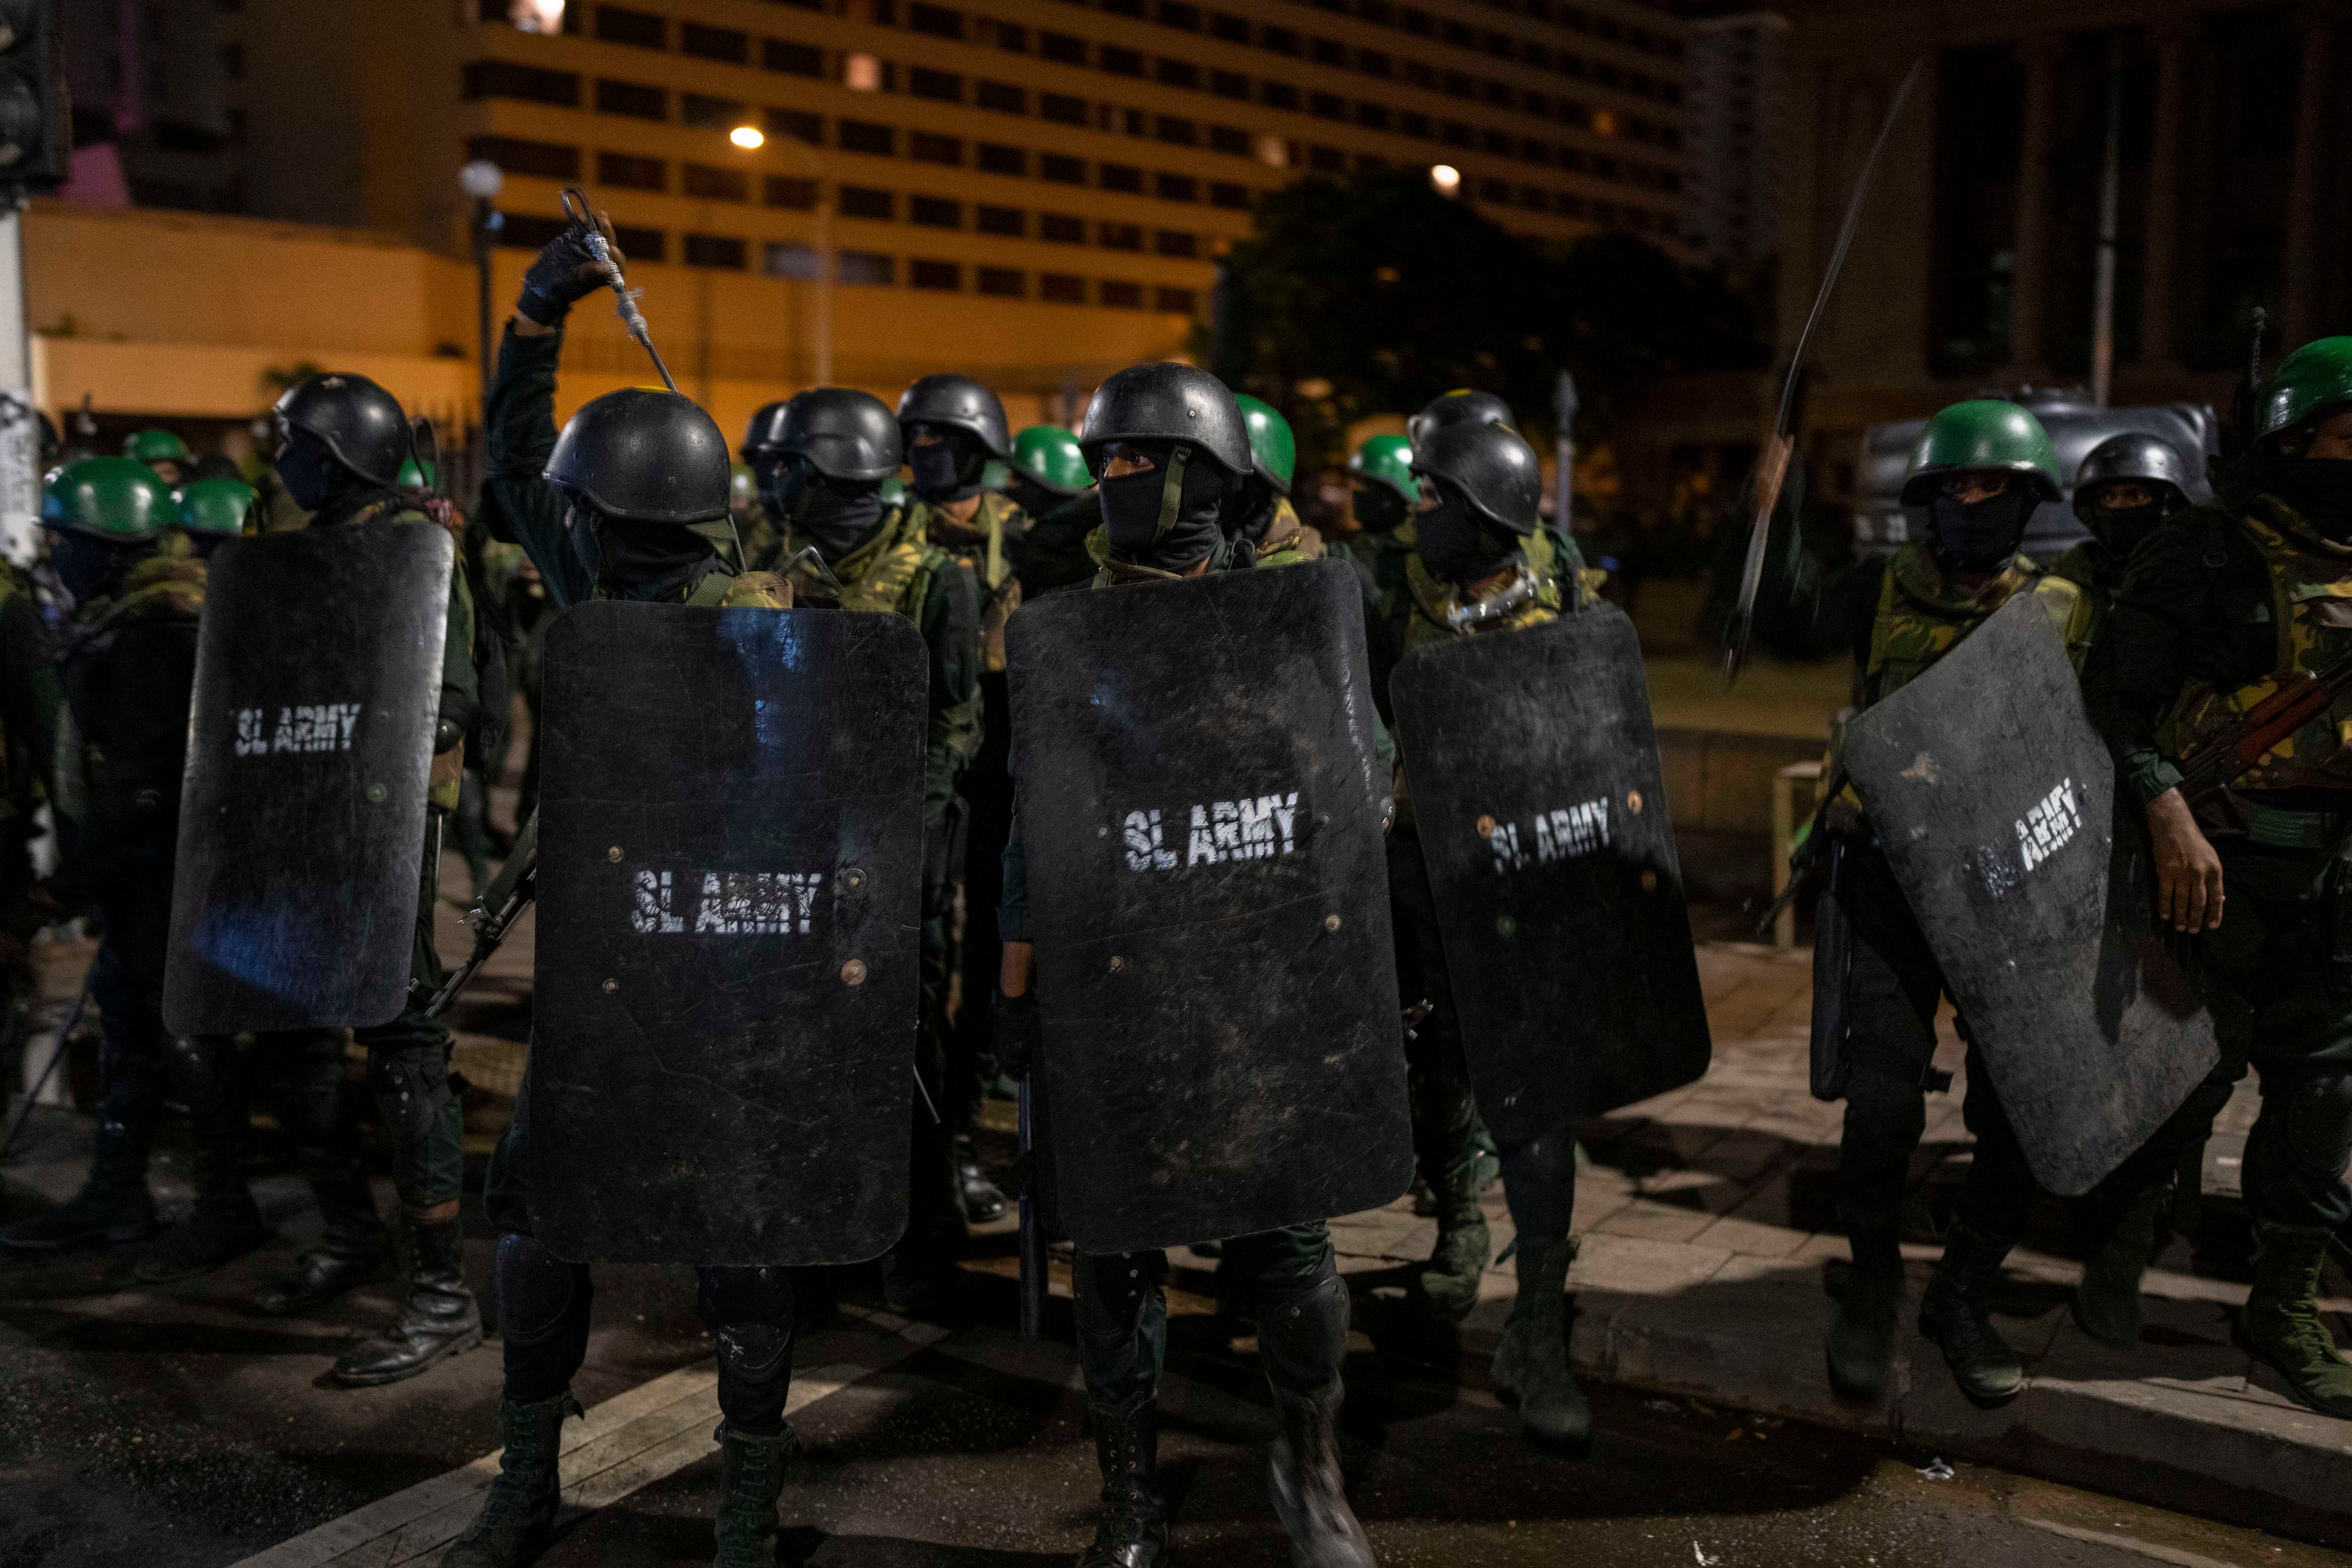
<point>302,812</point>
<point>730,859</point>
<point>1995,802</point>
<point>1201,809</point>
<point>1536,793</point>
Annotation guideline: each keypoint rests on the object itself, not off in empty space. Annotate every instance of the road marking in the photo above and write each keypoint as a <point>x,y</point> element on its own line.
<point>629,1441</point>
<point>2147,1548</point>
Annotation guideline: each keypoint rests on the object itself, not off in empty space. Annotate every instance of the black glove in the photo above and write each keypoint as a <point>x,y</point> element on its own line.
<point>1017,1033</point>
<point>563,271</point>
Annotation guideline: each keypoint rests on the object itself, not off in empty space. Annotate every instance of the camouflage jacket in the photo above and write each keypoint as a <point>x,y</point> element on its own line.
<point>983,546</point>
<point>1921,617</point>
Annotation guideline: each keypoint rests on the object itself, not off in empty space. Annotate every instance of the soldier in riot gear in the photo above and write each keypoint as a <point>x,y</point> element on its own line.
<point>342,440</point>
<point>952,427</point>
<point>1170,451</point>
<point>2193,641</point>
<point>128,670</point>
<point>211,510</point>
<point>1262,517</point>
<point>1051,486</point>
<point>1463,406</point>
<point>606,510</point>
<point>823,460</point>
<point>2126,486</point>
<point>163,453</point>
<point>1383,493</point>
<point>1980,470</point>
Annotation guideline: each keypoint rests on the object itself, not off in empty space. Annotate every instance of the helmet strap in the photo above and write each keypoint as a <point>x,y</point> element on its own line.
<point>1171,492</point>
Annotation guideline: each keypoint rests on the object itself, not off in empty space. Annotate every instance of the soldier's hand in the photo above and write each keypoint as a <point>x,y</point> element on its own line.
<point>1017,1033</point>
<point>565,271</point>
<point>2187,870</point>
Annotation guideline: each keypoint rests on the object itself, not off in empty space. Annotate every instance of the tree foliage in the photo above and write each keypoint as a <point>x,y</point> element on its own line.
<point>1391,294</point>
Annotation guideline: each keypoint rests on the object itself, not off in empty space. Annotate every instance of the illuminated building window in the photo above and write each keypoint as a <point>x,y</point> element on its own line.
<point>790,258</point>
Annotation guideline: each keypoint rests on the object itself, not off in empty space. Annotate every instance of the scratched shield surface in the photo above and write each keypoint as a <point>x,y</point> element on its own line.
<point>1201,808</point>
<point>1541,810</point>
<point>1997,804</point>
<point>731,849</point>
<point>302,810</point>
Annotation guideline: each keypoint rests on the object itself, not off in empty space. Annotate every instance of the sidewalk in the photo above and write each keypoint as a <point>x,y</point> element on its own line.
<point>1706,1215</point>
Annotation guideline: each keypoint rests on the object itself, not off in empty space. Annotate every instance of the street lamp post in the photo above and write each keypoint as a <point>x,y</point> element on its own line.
<point>482,180</point>
<point>751,138</point>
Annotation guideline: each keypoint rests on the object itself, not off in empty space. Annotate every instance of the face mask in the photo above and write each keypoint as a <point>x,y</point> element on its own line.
<point>2320,489</point>
<point>1147,530</point>
<point>88,568</point>
<point>1982,537</point>
<point>1379,509</point>
<point>647,560</point>
<point>2123,529</point>
<point>1455,544</point>
<point>1031,497</point>
<point>939,468</point>
<point>1253,510</point>
<point>307,469</point>
<point>834,515</point>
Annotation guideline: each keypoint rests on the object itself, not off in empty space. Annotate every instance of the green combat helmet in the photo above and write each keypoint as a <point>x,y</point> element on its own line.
<point>2313,379</point>
<point>117,501</point>
<point>156,447</point>
<point>1049,455</point>
<point>415,476</point>
<point>1986,433</point>
<point>1388,460</point>
<point>893,490</point>
<point>216,506</point>
<point>1273,448</point>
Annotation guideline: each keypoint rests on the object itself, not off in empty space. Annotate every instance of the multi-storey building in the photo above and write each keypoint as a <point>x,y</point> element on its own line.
<point>1736,106</point>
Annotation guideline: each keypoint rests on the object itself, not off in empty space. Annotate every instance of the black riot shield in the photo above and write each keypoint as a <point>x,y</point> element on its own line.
<point>1995,802</point>
<point>1201,809</point>
<point>303,814</point>
<point>731,858</point>
<point>1537,797</point>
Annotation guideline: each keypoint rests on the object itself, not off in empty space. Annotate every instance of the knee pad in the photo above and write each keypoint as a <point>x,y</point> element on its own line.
<point>2317,1125</point>
<point>753,1353</point>
<point>410,1088</point>
<point>1302,1337</point>
<point>539,1293</point>
<point>739,1296</point>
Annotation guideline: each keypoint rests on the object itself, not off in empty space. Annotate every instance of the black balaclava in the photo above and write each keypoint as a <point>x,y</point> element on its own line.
<point>1456,543</point>
<point>948,469</point>
<point>633,560</point>
<point>90,568</point>
<point>308,469</point>
<point>834,515</point>
<point>1253,510</point>
<point>1165,518</point>
<point>1379,509</point>
<point>2319,489</point>
<point>1031,497</point>
<point>2124,528</point>
<point>1979,537</point>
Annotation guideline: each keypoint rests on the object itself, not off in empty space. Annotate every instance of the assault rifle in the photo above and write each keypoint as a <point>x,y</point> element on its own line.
<point>2300,698</point>
<point>495,911</point>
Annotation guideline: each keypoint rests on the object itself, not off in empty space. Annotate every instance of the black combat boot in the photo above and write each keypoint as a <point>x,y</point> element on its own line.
<point>1861,1343</point>
<point>1457,1263</point>
<point>1134,1533</point>
<point>2108,1304</point>
<point>983,1200</point>
<point>113,1205</point>
<point>519,1508</point>
<point>1531,1362</point>
<point>441,1318</point>
<point>1954,1312</point>
<point>1303,1344</point>
<point>750,1478</point>
<point>2280,1324</point>
<point>226,1224</point>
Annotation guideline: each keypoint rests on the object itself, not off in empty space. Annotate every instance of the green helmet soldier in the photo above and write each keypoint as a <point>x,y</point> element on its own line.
<point>213,510</point>
<point>1049,469</point>
<point>1980,468</point>
<point>160,450</point>
<point>1385,491</point>
<point>1262,515</point>
<point>2307,385</point>
<point>103,516</point>
<point>1051,482</point>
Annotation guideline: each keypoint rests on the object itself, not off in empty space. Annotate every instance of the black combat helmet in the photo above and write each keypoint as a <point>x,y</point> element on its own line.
<point>644,455</point>
<point>947,402</point>
<point>844,433</point>
<point>1492,465</point>
<point>2132,457</point>
<point>1167,403</point>
<point>1463,406</point>
<point>358,422</point>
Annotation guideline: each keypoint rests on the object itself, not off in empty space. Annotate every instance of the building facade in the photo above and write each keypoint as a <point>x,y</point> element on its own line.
<point>1732,216</point>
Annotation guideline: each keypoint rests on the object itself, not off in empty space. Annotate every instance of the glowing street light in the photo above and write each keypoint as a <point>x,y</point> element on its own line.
<point>1444,179</point>
<point>746,137</point>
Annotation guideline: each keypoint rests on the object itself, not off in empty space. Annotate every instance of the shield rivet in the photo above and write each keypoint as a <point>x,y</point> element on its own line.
<point>1102,832</point>
<point>1633,801</point>
<point>854,973</point>
<point>1117,963</point>
<point>1506,925</point>
<point>614,854</point>
<point>1330,922</point>
<point>1485,827</point>
<point>611,987</point>
<point>376,794</point>
<point>852,878</point>
<point>1649,881</point>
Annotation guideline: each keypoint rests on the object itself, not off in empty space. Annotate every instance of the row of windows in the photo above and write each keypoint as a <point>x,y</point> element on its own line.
<point>789,259</point>
<point>501,78</point>
<point>1411,20</point>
